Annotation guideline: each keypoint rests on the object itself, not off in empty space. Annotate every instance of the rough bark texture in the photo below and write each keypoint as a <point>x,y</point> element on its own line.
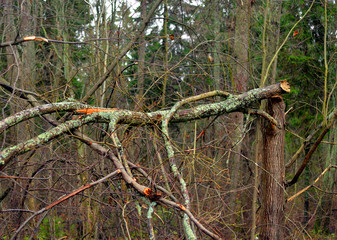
<point>141,61</point>
<point>241,77</point>
<point>272,214</point>
<point>217,19</point>
<point>231,104</point>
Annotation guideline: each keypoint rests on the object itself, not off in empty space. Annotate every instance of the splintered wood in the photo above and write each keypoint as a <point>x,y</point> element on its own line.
<point>285,86</point>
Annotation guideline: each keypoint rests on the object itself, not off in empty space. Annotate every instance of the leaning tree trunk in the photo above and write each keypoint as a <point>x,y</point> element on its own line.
<point>273,200</point>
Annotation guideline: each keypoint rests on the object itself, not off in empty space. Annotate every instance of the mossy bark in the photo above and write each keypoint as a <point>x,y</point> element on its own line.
<point>231,104</point>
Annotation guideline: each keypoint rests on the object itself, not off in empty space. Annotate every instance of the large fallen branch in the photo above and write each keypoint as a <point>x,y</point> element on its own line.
<point>231,104</point>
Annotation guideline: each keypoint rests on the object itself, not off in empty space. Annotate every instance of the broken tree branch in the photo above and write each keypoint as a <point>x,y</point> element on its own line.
<point>232,104</point>
<point>312,150</point>
<point>311,185</point>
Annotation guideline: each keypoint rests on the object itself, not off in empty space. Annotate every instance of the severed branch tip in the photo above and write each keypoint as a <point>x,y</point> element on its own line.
<point>285,86</point>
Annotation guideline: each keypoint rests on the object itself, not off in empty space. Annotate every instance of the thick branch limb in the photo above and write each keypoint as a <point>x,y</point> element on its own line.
<point>45,137</point>
<point>265,115</point>
<point>38,111</point>
<point>149,220</point>
<point>114,118</point>
<point>179,104</point>
<point>170,152</point>
<point>232,104</point>
<point>146,175</point>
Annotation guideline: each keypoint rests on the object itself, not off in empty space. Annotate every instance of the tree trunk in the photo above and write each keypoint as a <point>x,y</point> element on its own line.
<point>28,82</point>
<point>141,62</point>
<point>165,47</point>
<point>241,77</point>
<point>273,200</point>
<point>270,42</point>
<point>217,18</point>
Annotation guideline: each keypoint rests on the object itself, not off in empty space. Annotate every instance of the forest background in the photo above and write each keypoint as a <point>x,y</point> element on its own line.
<point>191,154</point>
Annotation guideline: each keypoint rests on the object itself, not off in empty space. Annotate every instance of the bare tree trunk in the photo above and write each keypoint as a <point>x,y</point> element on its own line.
<point>28,82</point>
<point>217,18</point>
<point>270,42</point>
<point>273,200</point>
<point>12,77</point>
<point>241,77</point>
<point>21,75</point>
<point>165,53</point>
<point>141,62</point>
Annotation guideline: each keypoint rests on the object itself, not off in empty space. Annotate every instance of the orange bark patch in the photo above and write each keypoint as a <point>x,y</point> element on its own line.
<point>95,110</point>
<point>147,191</point>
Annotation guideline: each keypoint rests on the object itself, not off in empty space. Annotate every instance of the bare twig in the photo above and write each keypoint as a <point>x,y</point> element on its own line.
<point>62,199</point>
<point>311,185</point>
<point>313,149</point>
<point>307,141</point>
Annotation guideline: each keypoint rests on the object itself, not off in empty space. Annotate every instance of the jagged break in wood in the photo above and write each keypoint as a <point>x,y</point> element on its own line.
<point>285,86</point>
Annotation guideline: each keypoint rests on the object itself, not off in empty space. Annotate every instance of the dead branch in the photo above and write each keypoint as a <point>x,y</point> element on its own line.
<point>312,150</point>
<point>311,185</point>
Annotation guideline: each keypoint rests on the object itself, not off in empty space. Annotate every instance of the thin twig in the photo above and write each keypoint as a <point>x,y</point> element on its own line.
<point>312,150</point>
<point>311,185</point>
<point>62,199</point>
